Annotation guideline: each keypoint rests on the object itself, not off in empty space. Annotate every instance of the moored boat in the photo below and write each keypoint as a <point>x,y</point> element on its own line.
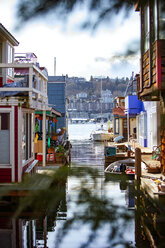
<point>124,167</point>
<point>101,135</point>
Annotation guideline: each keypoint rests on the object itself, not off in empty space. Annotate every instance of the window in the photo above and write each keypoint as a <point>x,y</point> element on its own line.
<point>155,21</point>
<point>143,125</point>
<point>117,126</point>
<point>161,20</point>
<point>10,60</point>
<point>4,138</point>
<point>27,137</point>
<point>146,27</point>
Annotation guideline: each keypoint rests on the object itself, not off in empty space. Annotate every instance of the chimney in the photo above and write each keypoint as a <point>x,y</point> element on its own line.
<point>54,66</point>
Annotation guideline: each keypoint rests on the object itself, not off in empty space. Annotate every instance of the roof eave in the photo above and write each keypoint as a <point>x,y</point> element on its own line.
<point>137,6</point>
<point>8,35</point>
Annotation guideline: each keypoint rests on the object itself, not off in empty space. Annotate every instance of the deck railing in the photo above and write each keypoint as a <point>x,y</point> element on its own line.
<point>34,82</point>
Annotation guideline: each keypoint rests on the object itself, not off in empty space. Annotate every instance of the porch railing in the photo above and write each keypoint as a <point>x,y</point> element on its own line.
<point>34,82</point>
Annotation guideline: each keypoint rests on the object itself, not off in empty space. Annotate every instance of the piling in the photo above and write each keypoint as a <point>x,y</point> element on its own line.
<point>137,163</point>
<point>70,152</point>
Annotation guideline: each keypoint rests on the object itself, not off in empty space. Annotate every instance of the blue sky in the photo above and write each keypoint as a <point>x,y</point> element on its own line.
<point>78,53</point>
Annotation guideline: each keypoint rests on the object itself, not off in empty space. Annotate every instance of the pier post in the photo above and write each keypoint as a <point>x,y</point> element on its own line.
<point>44,139</point>
<point>69,152</point>
<point>137,163</point>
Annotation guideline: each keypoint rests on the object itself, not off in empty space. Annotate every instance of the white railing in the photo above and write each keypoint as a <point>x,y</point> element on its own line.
<point>36,87</point>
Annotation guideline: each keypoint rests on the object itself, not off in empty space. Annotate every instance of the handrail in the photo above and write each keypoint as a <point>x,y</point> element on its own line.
<point>23,65</point>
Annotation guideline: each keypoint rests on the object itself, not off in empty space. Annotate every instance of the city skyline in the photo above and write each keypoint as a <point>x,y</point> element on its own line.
<point>78,52</point>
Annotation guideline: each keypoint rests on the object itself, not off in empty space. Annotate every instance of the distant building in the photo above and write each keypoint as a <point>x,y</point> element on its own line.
<point>107,96</point>
<point>57,96</point>
<point>82,95</point>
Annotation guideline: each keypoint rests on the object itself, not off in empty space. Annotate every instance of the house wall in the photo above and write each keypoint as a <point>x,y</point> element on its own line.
<point>148,125</point>
<point>142,139</point>
<point>133,104</point>
<point>153,123</point>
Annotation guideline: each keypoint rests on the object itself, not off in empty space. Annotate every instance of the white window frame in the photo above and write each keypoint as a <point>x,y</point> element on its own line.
<point>10,59</point>
<point>30,158</point>
<point>11,112</point>
<point>116,125</point>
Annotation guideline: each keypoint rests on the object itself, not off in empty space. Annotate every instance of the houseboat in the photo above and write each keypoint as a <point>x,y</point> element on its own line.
<point>23,90</point>
<point>151,80</point>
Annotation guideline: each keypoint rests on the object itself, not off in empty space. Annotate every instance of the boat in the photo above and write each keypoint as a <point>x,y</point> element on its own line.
<point>101,134</point>
<point>125,167</point>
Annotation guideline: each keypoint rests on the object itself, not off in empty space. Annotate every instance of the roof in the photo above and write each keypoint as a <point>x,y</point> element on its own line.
<point>5,33</point>
<point>49,111</point>
<point>59,79</point>
<point>54,111</point>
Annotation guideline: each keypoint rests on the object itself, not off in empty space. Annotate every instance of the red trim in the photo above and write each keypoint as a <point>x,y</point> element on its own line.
<point>5,175</point>
<point>158,62</point>
<point>16,142</point>
<point>1,81</point>
<point>5,106</point>
<point>9,81</point>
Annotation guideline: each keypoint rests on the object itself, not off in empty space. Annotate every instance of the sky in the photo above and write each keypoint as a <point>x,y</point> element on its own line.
<point>79,53</point>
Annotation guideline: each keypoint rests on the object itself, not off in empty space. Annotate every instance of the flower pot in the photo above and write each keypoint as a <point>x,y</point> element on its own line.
<point>59,157</point>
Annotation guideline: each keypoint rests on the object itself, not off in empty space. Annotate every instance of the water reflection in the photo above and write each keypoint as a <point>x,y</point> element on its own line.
<point>88,153</point>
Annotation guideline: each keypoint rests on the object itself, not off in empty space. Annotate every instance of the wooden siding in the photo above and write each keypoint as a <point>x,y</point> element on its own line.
<point>153,72</point>
<point>119,111</point>
<point>162,50</point>
<point>163,150</point>
<point>145,63</point>
<point>5,175</point>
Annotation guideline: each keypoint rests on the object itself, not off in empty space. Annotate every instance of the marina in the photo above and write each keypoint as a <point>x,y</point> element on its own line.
<point>82,161</point>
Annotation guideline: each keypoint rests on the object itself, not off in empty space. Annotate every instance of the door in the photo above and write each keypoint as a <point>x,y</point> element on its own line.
<point>125,133</point>
<point>5,138</point>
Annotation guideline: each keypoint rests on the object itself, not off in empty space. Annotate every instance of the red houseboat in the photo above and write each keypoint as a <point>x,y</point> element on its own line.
<point>23,89</point>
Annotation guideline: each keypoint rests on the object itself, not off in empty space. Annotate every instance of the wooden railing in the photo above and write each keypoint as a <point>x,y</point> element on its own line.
<point>36,86</point>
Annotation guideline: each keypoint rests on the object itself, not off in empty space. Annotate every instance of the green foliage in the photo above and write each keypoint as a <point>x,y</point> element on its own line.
<point>60,149</point>
<point>116,86</point>
<point>99,10</point>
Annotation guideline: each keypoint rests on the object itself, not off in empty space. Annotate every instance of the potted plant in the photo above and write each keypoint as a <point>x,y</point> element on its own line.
<point>60,154</point>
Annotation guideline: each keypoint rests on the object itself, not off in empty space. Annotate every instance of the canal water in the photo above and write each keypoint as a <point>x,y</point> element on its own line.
<point>116,215</point>
<point>79,206</point>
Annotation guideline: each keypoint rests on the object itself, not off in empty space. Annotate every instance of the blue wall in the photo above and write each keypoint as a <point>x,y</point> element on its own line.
<point>133,104</point>
<point>57,97</point>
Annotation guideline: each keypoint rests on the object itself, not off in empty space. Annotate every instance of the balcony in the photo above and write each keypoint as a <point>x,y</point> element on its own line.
<point>25,83</point>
